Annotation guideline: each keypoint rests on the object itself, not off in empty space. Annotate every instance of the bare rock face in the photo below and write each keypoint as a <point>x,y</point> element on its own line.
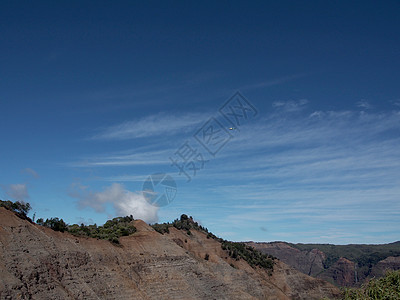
<point>38,263</point>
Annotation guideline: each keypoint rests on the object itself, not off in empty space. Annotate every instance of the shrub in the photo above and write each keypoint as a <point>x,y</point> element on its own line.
<point>111,230</point>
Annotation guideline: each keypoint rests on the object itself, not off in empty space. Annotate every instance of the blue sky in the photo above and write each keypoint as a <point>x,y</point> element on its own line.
<point>96,96</point>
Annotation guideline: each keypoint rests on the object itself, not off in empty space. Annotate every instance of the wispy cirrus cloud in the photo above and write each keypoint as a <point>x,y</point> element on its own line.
<point>135,158</point>
<point>161,124</point>
<point>341,150</point>
<point>364,104</point>
<point>292,144</point>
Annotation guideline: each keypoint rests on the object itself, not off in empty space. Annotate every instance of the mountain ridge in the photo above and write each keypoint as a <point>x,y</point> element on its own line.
<point>39,263</point>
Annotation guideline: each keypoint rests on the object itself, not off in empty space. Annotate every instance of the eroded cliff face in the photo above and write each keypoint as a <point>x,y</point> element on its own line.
<point>38,263</point>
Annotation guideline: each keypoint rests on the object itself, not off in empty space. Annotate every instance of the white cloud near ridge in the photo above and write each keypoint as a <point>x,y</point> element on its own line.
<point>123,201</point>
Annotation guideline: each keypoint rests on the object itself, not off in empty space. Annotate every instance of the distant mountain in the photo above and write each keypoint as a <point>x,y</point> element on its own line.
<point>342,265</point>
<point>182,262</point>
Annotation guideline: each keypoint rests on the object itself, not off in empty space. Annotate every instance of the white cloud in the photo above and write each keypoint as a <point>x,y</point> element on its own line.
<point>124,202</point>
<point>17,192</point>
<point>155,125</point>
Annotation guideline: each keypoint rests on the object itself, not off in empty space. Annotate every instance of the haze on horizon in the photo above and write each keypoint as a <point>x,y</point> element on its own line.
<point>97,96</point>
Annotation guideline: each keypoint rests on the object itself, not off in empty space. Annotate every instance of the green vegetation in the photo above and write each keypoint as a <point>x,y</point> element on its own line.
<point>184,223</point>
<point>111,230</point>
<point>235,250</point>
<point>387,287</point>
<point>187,223</point>
<point>21,209</point>
<point>366,256</point>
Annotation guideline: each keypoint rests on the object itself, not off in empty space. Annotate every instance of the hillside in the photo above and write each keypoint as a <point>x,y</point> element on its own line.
<point>342,265</point>
<point>39,263</point>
